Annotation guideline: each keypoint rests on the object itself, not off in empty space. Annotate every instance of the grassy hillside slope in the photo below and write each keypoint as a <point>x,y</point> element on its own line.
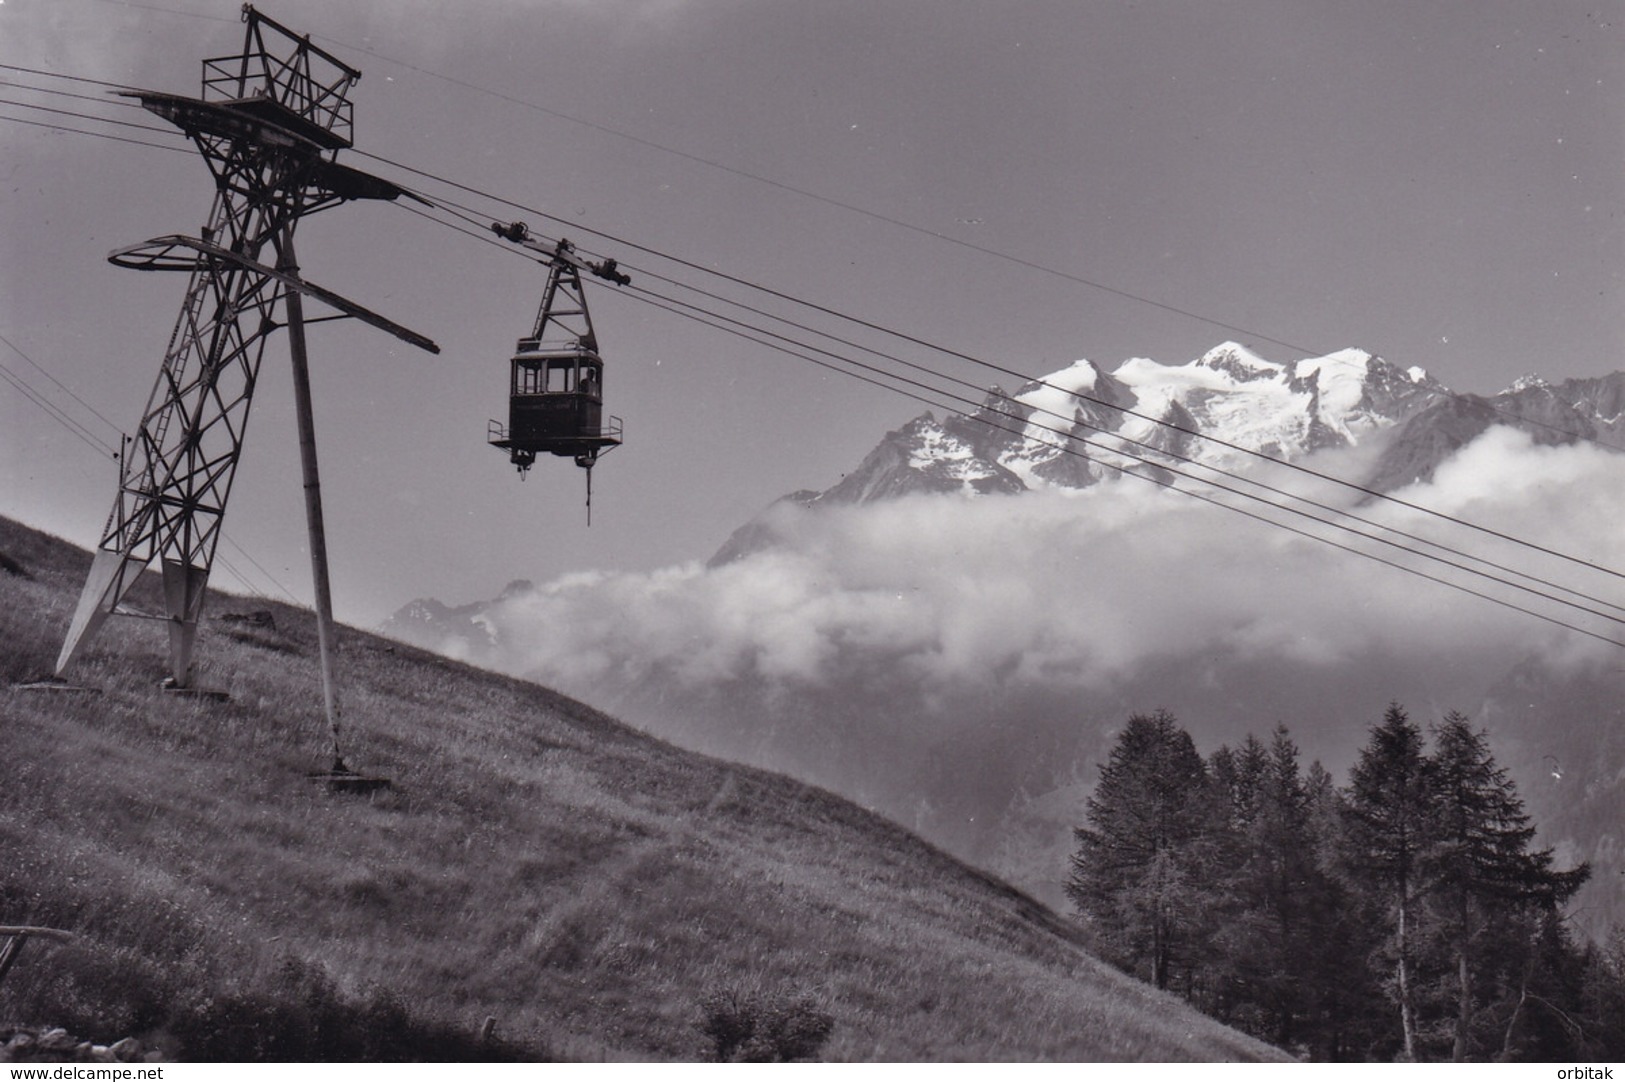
<point>536,862</point>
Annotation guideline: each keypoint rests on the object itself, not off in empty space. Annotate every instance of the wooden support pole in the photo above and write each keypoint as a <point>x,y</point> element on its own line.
<point>287,263</point>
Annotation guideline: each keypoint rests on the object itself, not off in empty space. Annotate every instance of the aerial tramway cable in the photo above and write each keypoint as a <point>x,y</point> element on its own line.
<point>845,206</point>
<point>95,443</point>
<point>1129,472</point>
<point>1300,468</point>
<point>1250,333</point>
<point>452,208</point>
<point>1064,275</point>
<point>1340,512</point>
<point>676,306</point>
<point>1071,439</point>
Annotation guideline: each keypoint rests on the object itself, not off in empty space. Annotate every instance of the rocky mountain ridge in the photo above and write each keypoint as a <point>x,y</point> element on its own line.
<point>1230,409</point>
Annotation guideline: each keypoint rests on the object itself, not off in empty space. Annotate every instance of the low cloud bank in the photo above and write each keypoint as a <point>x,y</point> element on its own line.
<point>1078,590</point>
<point>960,664</point>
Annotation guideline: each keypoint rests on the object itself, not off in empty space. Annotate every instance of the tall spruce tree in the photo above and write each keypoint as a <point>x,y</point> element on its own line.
<point>1285,859</point>
<point>1485,882</point>
<point>1282,967</point>
<point>1137,874</point>
<point>1229,989</point>
<point>1261,869</point>
<point>1345,1007</point>
<point>1390,821</point>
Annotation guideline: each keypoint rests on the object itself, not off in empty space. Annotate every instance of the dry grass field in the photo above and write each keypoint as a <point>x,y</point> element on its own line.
<point>535,862</point>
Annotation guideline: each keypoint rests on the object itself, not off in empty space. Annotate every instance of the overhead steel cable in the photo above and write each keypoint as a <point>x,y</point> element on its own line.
<point>1076,420</point>
<point>94,134</point>
<point>922,390</point>
<point>1162,453</point>
<point>171,11</point>
<point>1250,452</point>
<point>784,343</point>
<point>1475,402</point>
<point>82,434</point>
<point>85,116</point>
<point>231,568</point>
<point>1253,453</point>
<point>63,75</point>
<point>62,386</point>
<point>1207,466</point>
<point>1103,403</point>
<point>244,553</point>
<point>85,436</point>
<point>97,99</point>
<point>827,200</point>
<point>1158,463</point>
<point>1129,472</point>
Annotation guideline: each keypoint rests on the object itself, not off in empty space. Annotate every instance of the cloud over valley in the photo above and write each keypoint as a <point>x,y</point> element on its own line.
<point>961,662</point>
<point>1081,589</point>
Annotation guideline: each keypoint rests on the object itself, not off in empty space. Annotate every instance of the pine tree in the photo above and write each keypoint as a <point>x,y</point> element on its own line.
<point>1345,1008</point>
<point>1388,834</point>
<point>1303,913</point>
<point>1137,873</point>
<point>1285,956</point>
<point>1229,987</point>
<point>1539,981</point>
<point>1483,876</point>
<point>1264,871</point>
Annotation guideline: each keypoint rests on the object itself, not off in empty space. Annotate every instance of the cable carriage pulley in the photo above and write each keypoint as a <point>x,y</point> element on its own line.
<point>556,377</point>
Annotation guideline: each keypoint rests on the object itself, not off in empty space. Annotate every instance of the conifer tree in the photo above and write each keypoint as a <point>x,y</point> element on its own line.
<point>1389,807</point>
<point>1482,873</point>
<point>1228,986</point>
<point>1540,987</point>
<point>1303,913</point>
<point>1136,875</point>
<point>1263,856</point>
<point>1281,958</point>
<point>1284,859</point>
<point>1344,1002</point>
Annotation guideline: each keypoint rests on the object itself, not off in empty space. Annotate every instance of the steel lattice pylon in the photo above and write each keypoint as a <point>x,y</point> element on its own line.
<point>269,125</point>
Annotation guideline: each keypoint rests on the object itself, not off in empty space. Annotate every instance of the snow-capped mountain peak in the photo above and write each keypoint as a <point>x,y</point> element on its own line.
<point>1081,424</point>
<point>1239,362</point>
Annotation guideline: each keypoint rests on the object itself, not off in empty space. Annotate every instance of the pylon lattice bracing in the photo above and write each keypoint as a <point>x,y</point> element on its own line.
<point>268,124</point>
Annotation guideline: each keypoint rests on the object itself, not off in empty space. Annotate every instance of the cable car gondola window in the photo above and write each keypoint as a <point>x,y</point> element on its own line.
<point>527,378</point>
<point>551,376</point>
<point>561,376</point>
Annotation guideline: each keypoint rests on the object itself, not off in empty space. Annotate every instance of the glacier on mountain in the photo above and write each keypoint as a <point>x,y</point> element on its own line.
<point>1229,410</point>
<point>1079,425</point>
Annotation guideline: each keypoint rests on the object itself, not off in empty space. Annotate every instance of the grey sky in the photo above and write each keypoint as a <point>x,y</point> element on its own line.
<point>1440,183</point>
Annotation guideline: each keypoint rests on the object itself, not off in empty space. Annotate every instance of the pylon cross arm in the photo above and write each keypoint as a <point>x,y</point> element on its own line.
<point>176,253</point>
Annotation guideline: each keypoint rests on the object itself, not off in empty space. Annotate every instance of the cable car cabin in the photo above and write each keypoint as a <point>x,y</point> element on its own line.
<point>556,407</point>
<point>556,394</point>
